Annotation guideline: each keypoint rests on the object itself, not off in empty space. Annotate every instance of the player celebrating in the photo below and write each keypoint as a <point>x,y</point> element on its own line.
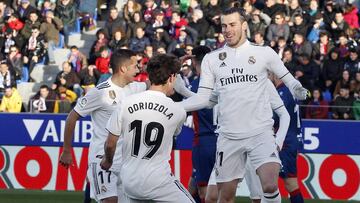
<point>100,102</point>
<point>252,180</point>
<point>147,123</point>
<point>239,71</point>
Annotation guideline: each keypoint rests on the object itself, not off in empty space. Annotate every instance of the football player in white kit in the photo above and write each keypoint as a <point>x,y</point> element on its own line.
<point>239,72</point>
<point>252,180</point>
<point>147,122</point>
<point>100,102</point>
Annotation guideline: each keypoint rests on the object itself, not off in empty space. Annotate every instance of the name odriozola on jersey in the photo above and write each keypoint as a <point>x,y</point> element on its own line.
<point>147,123</point>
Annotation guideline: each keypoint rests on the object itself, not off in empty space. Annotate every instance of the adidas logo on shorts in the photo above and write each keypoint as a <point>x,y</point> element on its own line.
<point>273,154</point>
<point>223,64</point>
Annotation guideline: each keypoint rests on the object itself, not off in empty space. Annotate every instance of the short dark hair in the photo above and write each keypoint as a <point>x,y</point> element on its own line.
<point>240,11</point>
<point>161,67</point>
<point>200,52</point>
<point>74,47</point>
<point>44,87</point>
<point>119,58</point>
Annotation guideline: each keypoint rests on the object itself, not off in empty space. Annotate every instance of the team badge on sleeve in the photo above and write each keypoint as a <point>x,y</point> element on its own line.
<point>112,94</point>
<point>222,56</point>
<point>83,102</point>
<point>252,60</point>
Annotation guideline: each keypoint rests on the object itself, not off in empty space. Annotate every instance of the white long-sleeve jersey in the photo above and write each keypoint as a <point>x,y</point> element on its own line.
<point>240,77</point>
<point>100,102</point>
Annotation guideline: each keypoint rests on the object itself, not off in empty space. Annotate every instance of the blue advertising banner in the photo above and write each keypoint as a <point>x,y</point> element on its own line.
<point>320,136</point>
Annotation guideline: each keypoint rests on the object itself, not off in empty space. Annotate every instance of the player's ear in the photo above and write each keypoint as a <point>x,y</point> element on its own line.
<point>244,26</point>
<point>123,69</point>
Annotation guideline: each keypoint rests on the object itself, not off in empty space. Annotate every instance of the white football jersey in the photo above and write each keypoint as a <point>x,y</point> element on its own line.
<point>100,102</point>
<point>147,123</point>
<point>240,77</point>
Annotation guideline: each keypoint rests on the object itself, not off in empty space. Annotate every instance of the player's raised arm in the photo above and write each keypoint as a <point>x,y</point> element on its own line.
<point>201,99</point>
<point>65,157</point>
<point>277,66</point>
<point>277,105</point>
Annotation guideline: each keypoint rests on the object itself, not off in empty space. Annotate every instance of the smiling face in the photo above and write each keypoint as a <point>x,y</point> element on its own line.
<point>131,69</point>
<point>233,29</point>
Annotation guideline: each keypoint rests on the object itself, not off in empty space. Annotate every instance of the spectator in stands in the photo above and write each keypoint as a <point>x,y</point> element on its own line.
<point>343,82</point>
<point>338,25</point>
<point>177,23</point>
<point>135,23</point>
<point>139,42</point>
<point>278,29</point>
<point>317,108</point>
<point>317,28</point>
<point>7,41</point>
<point>199,23</point>
<point>342,105</point>
<point>3,8</point>
<point>43,101</point>
<point>115,21</point>
<point>103,61</point>
<point>352,62</point>
<point>67,99</point>
<point>25,9</point>
<point>89,77</point>
<point>33,21</point>
<point>343,45</point>
<point>66,11</point>
<point>159,24</point>
<point>307,72</point>
<point>281,46</point>
<point>293,9</point>
<point>299,25</point>
<point>322,48</point>
<point>77,59</point>
<point>167,8</point>
<point>11,101</point>
<point>50,28</point>
<point>68,78</point>
<point>300,45</point>
<point>16,62</point>
<point>14,22</point>
<point>356,106</point>
<point>220,40</point>
<point>34,51</point>
<point>351,16</point>
<point>118,40</point>
<point>100,42</point>
<point>150,7</point>
<point>332,69</point>
<point>289,61</point>
<point>7,78</point>
<point>259,23</point>
<point>355,85</point>
<point>129,9</point>
<point>187,36</point>
<point>313,11</point>
<point>272,8</point>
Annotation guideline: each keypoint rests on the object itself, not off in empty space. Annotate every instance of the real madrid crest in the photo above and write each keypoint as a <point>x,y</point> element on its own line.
<point>112,94</point>
<point>83,102</point>
<point>222,56</point>
<point>251,60</point>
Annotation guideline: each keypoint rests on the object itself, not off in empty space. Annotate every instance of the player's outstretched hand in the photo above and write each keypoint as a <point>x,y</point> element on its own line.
<point>65,159</point>
<point>105,164</point>
<point>301,93</point>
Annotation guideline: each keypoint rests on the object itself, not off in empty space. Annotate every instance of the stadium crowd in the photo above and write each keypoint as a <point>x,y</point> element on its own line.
<point>317,41</point>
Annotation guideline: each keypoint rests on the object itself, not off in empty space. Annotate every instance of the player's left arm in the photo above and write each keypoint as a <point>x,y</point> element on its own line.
<point>277,66</point>
<point>114,127</point>
<point>279,108</point>
<point>109,148</point>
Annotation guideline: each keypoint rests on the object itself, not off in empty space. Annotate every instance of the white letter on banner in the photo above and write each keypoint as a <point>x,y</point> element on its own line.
<point>76,132</point>
<point>86,131</point>
<point>309,135</point>
<point>50,131</point>
<point>62,130</point>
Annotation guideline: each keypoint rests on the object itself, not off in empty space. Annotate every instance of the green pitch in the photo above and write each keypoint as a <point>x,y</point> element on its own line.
<point>36,196</point>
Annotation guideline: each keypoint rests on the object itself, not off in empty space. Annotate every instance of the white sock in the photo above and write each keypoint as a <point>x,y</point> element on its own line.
<point>271,197</point>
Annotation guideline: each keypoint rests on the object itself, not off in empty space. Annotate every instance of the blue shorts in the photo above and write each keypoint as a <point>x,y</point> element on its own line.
<point>203,159</point>
<point>288,155</point>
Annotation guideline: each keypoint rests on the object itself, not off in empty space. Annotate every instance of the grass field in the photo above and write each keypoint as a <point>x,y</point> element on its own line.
<point>36,196</point>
